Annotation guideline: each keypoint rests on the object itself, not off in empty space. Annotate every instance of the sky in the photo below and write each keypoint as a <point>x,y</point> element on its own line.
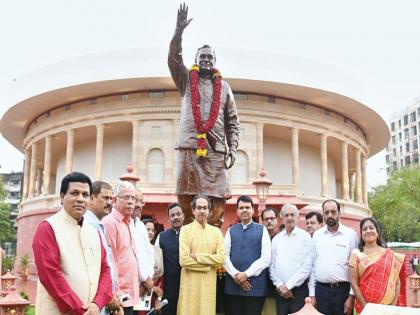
<point>376,43</point>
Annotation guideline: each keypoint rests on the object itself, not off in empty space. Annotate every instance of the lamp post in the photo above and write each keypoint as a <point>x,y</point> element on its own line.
<point>262,186</point>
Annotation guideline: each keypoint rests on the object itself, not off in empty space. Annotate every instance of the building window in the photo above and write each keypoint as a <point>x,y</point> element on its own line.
<point>393,139</point>
<point>414,130</point>
<point>413,116</point>
<point>240,96</point>
<point>155,166</point>
<point>401,149</point>
<point>394,152</point>
<point>405,120</point>
<point>406,134</point>
<point>407,147</point>
<point>387,158</point>
<point>240,171</point>
<point>399,123</point>
<point>394,165</point>
<point>416,158</point>
<point>392,126</point>
<point>400,136</point>
<point>407,160</point>
<point>156,94</point>
<point>415,144</point>
<point>402,163</point>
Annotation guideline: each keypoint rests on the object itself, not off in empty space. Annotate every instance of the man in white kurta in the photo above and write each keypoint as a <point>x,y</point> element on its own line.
<point>201,252</point>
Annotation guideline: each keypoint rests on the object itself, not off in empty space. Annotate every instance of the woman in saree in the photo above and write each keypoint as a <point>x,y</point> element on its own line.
<point>376,273</point>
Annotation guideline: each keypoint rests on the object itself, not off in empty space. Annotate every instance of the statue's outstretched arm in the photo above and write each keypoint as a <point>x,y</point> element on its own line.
<point>176,65</point>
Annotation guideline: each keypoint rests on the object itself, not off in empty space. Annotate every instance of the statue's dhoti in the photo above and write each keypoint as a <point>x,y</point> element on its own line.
<point>205,176</point>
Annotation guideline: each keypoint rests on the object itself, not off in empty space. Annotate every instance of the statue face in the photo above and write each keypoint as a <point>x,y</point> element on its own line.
<point>206,59</point>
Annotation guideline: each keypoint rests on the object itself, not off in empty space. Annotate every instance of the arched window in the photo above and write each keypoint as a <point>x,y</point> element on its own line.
<point>155,166</point>
<point>240,170</point>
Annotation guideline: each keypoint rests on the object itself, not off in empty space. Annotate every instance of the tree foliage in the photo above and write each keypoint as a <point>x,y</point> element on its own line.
<point>396,205</point>
<point>6,227</point>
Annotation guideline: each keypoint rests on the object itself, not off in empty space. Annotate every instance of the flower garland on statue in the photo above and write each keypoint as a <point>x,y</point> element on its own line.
<point>204,129</point>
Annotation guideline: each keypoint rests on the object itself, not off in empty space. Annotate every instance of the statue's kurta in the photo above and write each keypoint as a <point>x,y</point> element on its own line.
<point>206,175</point>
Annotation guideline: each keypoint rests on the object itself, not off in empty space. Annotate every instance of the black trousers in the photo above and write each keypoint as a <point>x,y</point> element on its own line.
<point>243,305</point>
<point>129,311</point>
<point>171,307</point>
<point>330,301</point>
<point>288,306</point>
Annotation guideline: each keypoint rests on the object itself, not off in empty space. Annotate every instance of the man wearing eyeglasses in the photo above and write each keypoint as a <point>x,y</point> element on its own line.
<point>146,258</point>
<point>269,217</point>
<point>121,240</point>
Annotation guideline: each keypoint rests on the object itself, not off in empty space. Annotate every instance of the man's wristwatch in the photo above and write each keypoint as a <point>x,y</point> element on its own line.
<point>159,298</point>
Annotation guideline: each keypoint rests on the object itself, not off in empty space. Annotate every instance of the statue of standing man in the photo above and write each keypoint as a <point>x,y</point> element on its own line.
<point>209,127</point>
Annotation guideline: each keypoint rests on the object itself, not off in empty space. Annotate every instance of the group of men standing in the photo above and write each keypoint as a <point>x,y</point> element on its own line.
<point>94,256</point>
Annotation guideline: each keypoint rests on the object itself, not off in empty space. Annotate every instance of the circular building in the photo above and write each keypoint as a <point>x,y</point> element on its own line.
<point>98,113</point>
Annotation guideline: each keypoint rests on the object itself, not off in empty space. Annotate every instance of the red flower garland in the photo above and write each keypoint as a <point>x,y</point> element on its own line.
<point>203,129</point>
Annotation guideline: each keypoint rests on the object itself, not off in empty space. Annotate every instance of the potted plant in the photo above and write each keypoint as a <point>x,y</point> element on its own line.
<point>24,264</point>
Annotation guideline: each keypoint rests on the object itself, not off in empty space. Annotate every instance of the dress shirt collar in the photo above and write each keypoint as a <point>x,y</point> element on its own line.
<point>119,216</point>
<point>176,232</point>
<point>90,215</point>
<point>339,230</point>
<point>246,226</point>
<point>70,219</point>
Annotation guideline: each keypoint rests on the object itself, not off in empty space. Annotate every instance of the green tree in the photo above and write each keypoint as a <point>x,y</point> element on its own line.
<point>396,205</point>
<point>6,228</point>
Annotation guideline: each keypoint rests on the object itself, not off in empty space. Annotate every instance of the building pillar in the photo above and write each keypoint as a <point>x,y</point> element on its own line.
<point>359,198</point>
<point>295,159</point>
<point>345,171</point>
<point>47,165</point>
<point>32,175</point>
<point>260,147</point>
<point>135,147</point>
<point>99,151</point>
<point>70,151</point>
<point>26,174</point>
<point>324,166</point>
<point>38,181</point>
<point>364,182</point>
<point>351,185</point>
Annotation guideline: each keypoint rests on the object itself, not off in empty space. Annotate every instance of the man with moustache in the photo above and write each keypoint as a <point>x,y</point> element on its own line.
<point>121,240</point>
<point>100,205</point>
<point>74,276</point>
<point>168,243</point>
<point>248,254</point>
<point>201,252</point>
<point>269,218</point>
<point>291,263</point>
<point>329,285</point>
<point>313,222</point>
<point>146,257</point>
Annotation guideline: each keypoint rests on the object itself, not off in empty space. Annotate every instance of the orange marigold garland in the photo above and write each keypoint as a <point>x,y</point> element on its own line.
<point>201,127</point>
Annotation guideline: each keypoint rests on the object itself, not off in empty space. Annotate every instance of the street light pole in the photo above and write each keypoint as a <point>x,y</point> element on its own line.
<point>262,186</point>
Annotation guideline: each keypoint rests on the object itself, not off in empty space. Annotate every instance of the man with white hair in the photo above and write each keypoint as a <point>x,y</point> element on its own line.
<point>122,243</point>
<point>291,263</point>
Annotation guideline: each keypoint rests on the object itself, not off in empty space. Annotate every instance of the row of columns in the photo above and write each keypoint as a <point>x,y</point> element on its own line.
<point>33,175</point>
<point>360,166</point>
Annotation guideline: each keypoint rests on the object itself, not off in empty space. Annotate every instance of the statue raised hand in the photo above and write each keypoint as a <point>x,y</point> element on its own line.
<point>182,20</point>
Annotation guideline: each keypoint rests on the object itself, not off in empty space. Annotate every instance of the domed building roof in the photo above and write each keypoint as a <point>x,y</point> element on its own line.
<point>119,72</point>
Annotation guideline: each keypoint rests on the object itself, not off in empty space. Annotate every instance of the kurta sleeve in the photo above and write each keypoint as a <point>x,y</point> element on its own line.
<point>176,65</point>
<point>47,261</point>
<point>104,292</point>
<point>184,253</point>
<point>214,259</point>
<point>112,239</point>
<point>231,122</point>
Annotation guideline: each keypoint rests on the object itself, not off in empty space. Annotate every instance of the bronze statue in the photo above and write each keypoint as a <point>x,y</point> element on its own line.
<point>209,127</point>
